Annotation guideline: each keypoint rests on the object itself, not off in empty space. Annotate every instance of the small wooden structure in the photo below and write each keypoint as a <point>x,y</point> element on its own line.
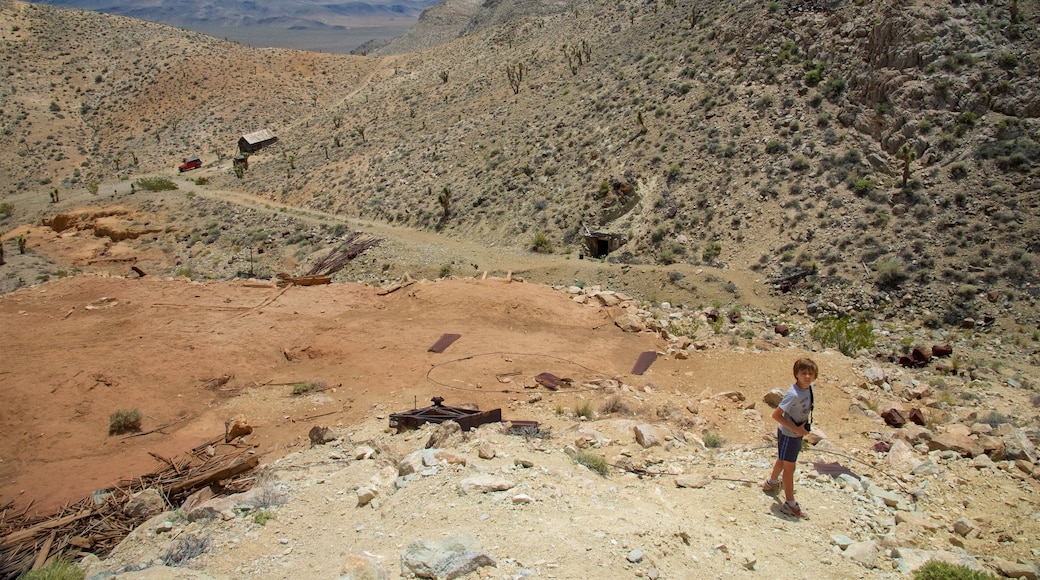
<point>600,244</point>
<point>255,141</point>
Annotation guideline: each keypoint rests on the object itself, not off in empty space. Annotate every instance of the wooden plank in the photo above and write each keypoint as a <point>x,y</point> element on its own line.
<point>237,466</point>
<point>45,550</point>
<point>15,537</point>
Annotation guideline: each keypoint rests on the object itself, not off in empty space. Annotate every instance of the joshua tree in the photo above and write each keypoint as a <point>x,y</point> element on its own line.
<point>907,154</point>
<point>444,76</point>
<point>445,200</point>
<point>515,74</point>
<point>360,129</point>
<point>2,262</point>
<point>21,244</point>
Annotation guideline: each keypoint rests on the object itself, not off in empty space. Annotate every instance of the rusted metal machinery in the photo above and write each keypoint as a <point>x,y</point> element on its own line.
<point>439,413</point>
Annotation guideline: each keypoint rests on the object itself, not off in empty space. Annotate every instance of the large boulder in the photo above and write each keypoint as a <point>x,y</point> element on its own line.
<point>962,444</point>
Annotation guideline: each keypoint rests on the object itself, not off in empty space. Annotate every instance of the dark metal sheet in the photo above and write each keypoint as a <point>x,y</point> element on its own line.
<point>832,469</point>
<point>643,362</point>
<point>444,342</point>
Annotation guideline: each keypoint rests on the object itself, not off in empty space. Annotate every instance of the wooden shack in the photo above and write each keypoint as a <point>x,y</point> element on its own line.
<point>600,244</point>
<point>255,141</point>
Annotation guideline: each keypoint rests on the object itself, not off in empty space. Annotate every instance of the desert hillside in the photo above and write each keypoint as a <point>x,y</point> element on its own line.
<point>880,157</point>
<point>852,181</point>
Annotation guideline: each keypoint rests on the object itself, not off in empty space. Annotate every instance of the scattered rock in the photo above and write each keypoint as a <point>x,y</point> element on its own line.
<point>485,483</point>
<point>145,503</point>
<point>236,427</point>
<point>446,560</point>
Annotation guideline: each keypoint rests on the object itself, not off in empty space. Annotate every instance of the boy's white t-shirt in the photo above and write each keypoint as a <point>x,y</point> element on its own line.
<point>796,405</point>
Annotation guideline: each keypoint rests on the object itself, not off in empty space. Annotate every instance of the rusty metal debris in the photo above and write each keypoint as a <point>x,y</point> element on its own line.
<point>551,381</point>
<point>444,342</point>
<point>643,362</point>
<point>439,413</point>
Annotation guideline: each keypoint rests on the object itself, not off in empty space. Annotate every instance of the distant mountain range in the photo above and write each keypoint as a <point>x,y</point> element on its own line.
<point>300,24</point>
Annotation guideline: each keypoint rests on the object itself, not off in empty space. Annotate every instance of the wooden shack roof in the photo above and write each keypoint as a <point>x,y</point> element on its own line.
<point>258,136</point>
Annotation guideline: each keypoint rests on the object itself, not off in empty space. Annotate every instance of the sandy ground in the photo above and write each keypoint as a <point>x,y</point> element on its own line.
<point>80,348</point>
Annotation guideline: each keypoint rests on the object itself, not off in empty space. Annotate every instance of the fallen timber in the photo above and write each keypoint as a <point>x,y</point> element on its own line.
<point>97,523</point>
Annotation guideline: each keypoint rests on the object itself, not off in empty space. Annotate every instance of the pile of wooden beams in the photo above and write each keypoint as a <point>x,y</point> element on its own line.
<point>97,523</point>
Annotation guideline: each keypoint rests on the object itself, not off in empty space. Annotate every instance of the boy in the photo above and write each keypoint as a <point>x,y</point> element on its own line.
<point>792,417</point>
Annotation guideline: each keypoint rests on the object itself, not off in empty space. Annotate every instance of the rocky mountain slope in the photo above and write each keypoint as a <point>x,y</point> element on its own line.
<point>763,137</point>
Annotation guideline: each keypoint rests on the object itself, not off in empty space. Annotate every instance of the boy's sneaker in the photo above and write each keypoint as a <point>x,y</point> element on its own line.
<point>771,486</point>
<point>792,508</point>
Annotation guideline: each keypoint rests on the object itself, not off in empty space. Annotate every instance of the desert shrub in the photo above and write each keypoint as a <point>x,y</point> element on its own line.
<point>1007,60</point>
<point>773,147</point>
<point>584,409</point>
<point>711,252</point>
<point>303,388</point>
<point>6,209</point>
<point>800,163</point>
<point>594,462</point>
<point>958,170</point>
<point>58,569</point>
<point>261,517</point>
<point>834,88</point>
<point>936,570</point>
<point>541,244</point>
<point>155,184</point>
<point>186,549</point>
<point>890,273</point>
<point>687,327</point>
<point>614,406</point>
<point>844,334</point>
<point>812,78</point>
<point>201,180</point>
<point>995,419</point>
<point>713,440</point>
<point>674,277</point>
<point>863,186</point>
<point>124,421</point>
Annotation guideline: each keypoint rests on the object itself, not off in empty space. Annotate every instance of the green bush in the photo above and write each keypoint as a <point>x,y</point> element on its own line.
<point>58,569</point>
<point>712,251</point>
<point>863,186</point>
<point>261,517</point>
<point>936,570</point>
<point>541,244</point>
<point>844,334</point>
<point>890,274</point>
<point>584,409</point>
<point>713,440</point>
<point>594,462</point>
<point>124,421</point>
<point>303,388</point>
<point>834,88</point>
<point>1007,61</point>
<point>155,184</point>
<point>6,209</point>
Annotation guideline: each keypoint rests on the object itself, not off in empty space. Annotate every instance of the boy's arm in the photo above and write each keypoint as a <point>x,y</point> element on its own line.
<point>778,416</point>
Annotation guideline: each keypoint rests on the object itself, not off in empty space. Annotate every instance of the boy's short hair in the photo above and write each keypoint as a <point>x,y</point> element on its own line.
<point>806,364</point>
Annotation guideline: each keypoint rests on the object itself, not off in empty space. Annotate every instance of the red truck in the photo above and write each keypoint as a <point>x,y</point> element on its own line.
<point>189,164</point>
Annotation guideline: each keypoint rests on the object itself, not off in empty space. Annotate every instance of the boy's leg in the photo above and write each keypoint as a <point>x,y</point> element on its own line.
<point>777,467</point>
<point>788,479</point>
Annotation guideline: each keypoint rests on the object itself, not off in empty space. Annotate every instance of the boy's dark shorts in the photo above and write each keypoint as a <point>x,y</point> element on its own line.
<point>788,447</point>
